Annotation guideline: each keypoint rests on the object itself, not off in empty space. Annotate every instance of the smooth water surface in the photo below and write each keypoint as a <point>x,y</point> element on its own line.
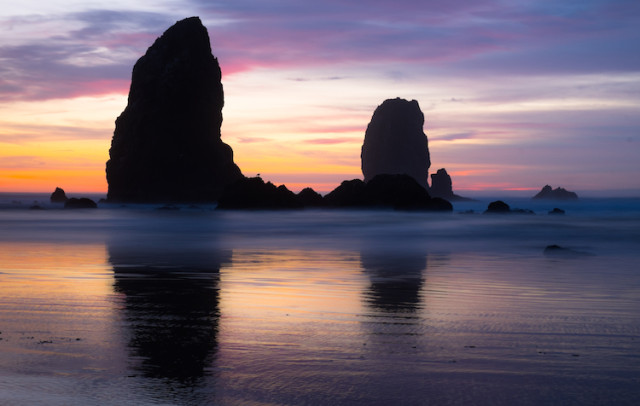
<point>139,306</point>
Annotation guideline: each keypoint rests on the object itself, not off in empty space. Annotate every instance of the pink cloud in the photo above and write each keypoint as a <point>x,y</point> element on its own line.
<point>332,141</point>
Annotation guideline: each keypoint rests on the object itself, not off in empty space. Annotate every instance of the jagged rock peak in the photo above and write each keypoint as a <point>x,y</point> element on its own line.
<point>58,196</point>
<point>166,145</point>
<point>558,193</point>
<point>395,142</point>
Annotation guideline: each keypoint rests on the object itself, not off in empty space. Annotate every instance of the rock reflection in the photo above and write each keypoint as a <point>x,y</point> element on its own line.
<point>171,311</point>
<point>396,280</point>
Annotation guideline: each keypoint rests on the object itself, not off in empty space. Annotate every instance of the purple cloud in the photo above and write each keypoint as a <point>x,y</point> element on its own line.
<point>485,37</point>
<point>96,58</point>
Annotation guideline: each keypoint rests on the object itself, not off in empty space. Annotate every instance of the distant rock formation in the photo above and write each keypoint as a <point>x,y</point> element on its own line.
<point>166,146</point>
<point>80,203</point>
<point>556,211</point>
<point>400,192</point>
<point>58,196</point>
<point>555,194</point>
<point>441,186</point>
<point>395,143</point>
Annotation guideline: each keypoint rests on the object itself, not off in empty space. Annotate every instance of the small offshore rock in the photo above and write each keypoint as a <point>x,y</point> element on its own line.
<point>558,193</point>
<point>557,211</point>
<point>498,207</point>
<point>80,203</point>
<point>58,196</point>
<point>442,186</point>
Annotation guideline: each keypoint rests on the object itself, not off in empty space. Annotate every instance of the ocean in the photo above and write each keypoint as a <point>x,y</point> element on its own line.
<point>135,305</point>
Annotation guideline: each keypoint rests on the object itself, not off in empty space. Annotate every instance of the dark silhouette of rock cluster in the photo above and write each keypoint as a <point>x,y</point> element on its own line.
<point>80,203</point>
<point>59,196</point>
<point>395,143</point>
<point>400,192</point>
<point>166,146</point>
<point>558,193</point>
<point>254,193</point>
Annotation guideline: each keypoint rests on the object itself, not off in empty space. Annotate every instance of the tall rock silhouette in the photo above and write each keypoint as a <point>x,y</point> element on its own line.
<point>166,146</point>
<point>395,143</point>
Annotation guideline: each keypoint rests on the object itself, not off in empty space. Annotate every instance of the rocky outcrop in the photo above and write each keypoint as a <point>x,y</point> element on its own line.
<point>310,198</point>
<point>80,203</point>
<point>555,194</point>
<point>400,192</point>
<point>350,193</point>
<point>58,196</point>
<point>254,193</point>
<point>395,143</point>
<point>442,186</point>
<point>166,146</point>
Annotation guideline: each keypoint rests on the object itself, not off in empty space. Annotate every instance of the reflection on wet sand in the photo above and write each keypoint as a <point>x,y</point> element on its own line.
<point>396,280</point>
<point>171,313</point>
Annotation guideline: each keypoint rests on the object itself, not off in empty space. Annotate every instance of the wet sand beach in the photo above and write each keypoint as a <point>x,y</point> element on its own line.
<point>139,306</point>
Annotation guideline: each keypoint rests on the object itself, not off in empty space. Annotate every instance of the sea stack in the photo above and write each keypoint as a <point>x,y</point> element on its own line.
<point>166,146</point>
<point>441,185</point>
<point>395,143</point>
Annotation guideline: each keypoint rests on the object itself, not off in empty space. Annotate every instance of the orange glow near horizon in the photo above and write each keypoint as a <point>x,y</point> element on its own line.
<point>65,142</point>
<point>41,166</point>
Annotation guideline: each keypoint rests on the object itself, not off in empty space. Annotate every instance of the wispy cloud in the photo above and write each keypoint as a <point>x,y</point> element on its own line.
<point>82,53</point>
<point>66,54</point>
<point>253,140</point>
<point>333,141</point>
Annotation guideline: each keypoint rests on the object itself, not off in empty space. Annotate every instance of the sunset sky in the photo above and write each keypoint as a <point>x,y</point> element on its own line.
<point>516,93</point>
